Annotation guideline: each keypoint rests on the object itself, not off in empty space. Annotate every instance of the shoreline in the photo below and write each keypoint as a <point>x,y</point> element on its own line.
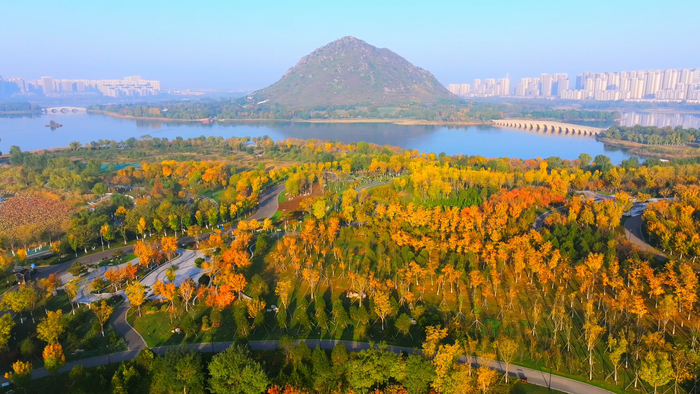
<point>20,112</point>
<point>653,151</point>
<point>396,121</point>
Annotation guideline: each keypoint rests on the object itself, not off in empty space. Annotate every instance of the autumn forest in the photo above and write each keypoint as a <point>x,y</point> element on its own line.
<point>319,266</point>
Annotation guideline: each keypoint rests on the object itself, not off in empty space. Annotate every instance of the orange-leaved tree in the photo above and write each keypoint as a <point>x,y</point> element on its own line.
<point>21,373</point>
<point>53,357</point>
<point>169,246</point>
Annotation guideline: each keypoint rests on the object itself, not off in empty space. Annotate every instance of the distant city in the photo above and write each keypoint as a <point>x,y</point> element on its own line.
<point>134,86</point>
<point>672,85</point>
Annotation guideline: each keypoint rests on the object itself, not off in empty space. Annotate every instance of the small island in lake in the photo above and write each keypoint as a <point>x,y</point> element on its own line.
<point>54,125</point>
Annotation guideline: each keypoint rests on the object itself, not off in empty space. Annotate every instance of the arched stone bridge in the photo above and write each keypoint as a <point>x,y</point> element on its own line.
<point>546,126</point>
<point>64,110</point>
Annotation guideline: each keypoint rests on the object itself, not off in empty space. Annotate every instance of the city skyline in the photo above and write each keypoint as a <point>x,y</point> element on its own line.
<point>132,86</point>
<point>672,85</point>
<point>234,45</point>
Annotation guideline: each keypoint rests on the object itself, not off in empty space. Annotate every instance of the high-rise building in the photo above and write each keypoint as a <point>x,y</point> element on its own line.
<point>672,84</point>
<point>637,88</point>
<point>66,85</point>
<point>653,82</point>
<point>613,81</point>
<point>671,77</point>
<point>546,82</point>
<point>129,86</point>
<point>504,86</point>
<point>21,85</point>
<point>47,84</point>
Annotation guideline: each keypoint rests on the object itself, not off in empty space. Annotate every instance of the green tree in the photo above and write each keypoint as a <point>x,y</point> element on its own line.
<point>179,371</point>
<point>99,189</point>
<point>319,209</point>
<point>403,324</point>
<point>158,225</point>
<point>213,217</point>
<point>124,379</point>
<point>77,269</point>
<point>6,325</point>
<point>585,159</point>
<point>234,372</point>
<point>22,300</point>
<point>420,374</point>
<point>322,372</point>
<point>656,369</point>
<point>603,163</point>
<point>617,348</point>
<point>370,368</point>
<point>51,327</point>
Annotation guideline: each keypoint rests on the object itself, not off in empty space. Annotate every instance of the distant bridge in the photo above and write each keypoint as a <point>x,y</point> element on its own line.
<point>547,126</point>
<point>64,110</point>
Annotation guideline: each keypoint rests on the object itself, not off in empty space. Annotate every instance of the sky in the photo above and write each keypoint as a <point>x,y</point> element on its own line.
<point>247,45</point>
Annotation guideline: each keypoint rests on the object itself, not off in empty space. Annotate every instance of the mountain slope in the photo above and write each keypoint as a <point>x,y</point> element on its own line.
<point>349,71</point>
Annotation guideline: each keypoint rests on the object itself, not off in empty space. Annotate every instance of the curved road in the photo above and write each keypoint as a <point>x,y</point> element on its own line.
<point>633,225</point>
<point>371,185</point>
<point>268,203</point>
<point>536,377</point>
<point>633,230</point>
<point>267,208</point>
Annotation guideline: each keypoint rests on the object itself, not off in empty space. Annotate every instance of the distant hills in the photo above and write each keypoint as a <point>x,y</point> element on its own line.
<point>349,72</point>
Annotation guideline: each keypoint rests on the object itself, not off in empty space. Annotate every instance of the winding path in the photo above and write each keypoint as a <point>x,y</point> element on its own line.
<point>633,225</point>
<point>268,203</point>
<point>371,185</point>
<point>533,376</point>
<point>268,206</point>
<point>634,233</point>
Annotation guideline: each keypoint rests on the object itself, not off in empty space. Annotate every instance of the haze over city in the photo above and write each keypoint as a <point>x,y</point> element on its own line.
<point>246,46</point>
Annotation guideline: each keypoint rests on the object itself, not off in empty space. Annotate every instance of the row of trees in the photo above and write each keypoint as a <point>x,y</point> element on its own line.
<point>652,135</point>
<point>296,369</point>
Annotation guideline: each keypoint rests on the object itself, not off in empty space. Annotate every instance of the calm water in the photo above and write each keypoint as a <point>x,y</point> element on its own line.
<point>30,133</point>
<point>660,119</point>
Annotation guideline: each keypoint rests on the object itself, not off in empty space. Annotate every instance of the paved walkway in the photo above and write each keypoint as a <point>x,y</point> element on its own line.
<point>186,269</point>
<point>371,185</point>
<point>633,225</point>
<point>634,233</point>
<point>539,222</point>
<point>134,340</point>
<point>539,378</point>
<point>268,203</point>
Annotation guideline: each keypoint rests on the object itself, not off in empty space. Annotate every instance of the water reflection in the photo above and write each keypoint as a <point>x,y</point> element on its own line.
<point>660,119</point>
<point>30,134</point>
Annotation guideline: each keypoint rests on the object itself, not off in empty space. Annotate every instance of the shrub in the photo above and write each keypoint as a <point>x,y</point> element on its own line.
<point>113,338</point>
<point>215,317</point>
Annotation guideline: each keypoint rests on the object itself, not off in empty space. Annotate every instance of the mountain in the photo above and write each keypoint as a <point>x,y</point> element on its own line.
<point>350,71</point>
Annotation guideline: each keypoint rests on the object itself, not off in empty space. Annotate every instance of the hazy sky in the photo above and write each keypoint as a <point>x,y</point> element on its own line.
<point>250,44</point>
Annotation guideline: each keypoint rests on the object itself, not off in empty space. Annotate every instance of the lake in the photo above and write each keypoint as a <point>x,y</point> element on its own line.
<point>30,133</point>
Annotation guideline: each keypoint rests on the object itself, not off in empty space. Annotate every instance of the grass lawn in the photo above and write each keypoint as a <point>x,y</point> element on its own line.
<point>527,388</point>
<point>124,259</point>
<point>214,194</point>
<point>82,338</point>
<point>282,197</point>
<point>624,377</point>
